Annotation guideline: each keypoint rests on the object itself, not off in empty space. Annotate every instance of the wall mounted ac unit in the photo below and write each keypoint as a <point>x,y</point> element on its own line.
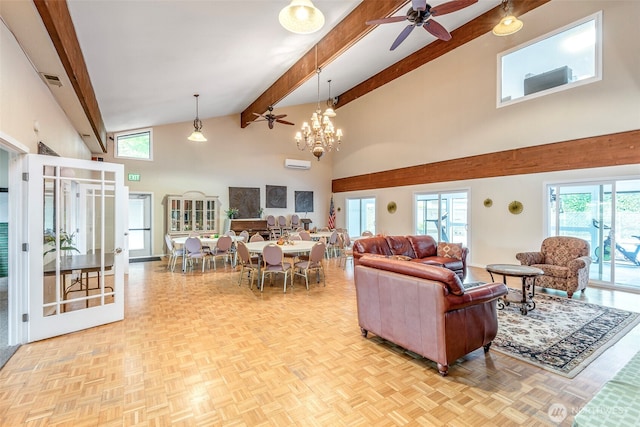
<point>297,164</point>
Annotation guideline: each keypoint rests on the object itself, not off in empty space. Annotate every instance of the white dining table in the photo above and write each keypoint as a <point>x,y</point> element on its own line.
<point>211,242</point>
<point>295,247</point>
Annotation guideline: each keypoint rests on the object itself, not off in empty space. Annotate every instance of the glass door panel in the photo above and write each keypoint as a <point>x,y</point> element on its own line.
<point>75,237</point>
<point>361,216</point>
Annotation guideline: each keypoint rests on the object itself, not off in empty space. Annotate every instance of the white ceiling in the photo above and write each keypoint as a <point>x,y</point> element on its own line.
<point>146,58</point>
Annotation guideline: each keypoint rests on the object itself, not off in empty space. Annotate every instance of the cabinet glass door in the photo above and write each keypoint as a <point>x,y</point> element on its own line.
<point>198,215</point>
<point>175,212</point>
<point>188,215</point>
<point>211,216</point>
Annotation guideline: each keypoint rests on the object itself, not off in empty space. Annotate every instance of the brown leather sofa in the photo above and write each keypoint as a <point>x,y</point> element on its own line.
<point>422,249</point>
<point>425,309</point>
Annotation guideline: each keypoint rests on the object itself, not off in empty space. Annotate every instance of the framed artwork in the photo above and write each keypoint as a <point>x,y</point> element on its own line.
<point>246,200</point>
<point>276,196</point>
<point>304,201</point>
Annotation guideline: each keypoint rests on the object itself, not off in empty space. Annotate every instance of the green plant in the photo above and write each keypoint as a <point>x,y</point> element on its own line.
<point>260,211</point>
<point>232,213</point>
<point>66,241</point>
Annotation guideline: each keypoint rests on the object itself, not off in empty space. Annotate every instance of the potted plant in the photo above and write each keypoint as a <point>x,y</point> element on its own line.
<point>66,242</point>
<point>232,213</point>
<point>260,212</point>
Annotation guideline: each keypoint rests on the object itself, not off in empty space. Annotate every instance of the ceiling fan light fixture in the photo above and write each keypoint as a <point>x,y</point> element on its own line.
<point>301,17</point>
<point>507,26</point>
<point>196,135</point>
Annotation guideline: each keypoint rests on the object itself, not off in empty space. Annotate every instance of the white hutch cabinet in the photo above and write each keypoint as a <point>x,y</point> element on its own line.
<point>192,212</point>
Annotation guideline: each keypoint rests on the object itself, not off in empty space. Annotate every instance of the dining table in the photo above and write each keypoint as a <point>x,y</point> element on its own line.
<point>292,247</point>
<point>209,241</point>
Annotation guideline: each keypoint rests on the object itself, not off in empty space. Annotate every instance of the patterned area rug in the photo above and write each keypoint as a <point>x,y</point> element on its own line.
<point>561,335</point>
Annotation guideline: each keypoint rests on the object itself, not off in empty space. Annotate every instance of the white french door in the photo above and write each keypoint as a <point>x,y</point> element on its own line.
<point>76,233</point>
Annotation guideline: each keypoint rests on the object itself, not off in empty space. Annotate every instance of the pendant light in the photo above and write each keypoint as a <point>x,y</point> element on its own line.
<point>509,24</point>
<point>301,17</point>
<point>197,135</point>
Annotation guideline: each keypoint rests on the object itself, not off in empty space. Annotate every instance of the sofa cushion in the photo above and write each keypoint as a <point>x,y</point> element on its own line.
<point>423,246</point>
<point>450,263</point>
<point>400,245</point>
<point>553,270</point>
<point>449,250</point>
<point>416,269</point>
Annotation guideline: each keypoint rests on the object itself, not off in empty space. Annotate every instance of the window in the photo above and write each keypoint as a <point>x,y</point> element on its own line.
<point>443,216</point>
<point>566,58</point>
<point>137,144</point>
<point>361,216</point>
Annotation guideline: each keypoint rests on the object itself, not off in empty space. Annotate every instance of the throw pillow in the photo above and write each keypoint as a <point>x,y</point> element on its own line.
<point>450,250</point>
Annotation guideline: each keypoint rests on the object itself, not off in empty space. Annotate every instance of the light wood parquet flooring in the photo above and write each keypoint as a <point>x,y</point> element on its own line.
<point>196,349</point>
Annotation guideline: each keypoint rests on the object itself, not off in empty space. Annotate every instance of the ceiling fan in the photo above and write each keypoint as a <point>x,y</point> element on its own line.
<point>271,118</point>
<point>420,15</point>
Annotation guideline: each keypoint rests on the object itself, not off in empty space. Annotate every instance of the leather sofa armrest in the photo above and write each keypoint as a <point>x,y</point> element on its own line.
<point>478,295</point>
<point>530,258</point>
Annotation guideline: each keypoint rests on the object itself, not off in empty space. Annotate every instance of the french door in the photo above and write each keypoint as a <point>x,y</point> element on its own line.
<point>75,230</point>
<point>607,215</point>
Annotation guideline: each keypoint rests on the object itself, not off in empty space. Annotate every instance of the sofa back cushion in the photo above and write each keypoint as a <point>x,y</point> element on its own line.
<point>447,277</point>
<point>372,245</point>
<point>400,245</point>
<point>423,246</point>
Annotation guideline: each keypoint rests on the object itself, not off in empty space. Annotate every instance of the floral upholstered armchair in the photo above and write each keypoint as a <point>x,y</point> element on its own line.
<point>565,262</point>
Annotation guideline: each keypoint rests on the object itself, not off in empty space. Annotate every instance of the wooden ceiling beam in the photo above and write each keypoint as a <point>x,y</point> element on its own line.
<point>57,20</point>
<point>469,31</point>
<point>339,39</point>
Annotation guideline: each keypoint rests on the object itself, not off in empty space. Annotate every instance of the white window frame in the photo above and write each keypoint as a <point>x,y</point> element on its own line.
<point>129,133</point>
<point>597,17</point>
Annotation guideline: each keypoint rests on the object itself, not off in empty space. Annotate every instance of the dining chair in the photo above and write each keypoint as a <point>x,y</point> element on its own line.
<point>222,249</point>
<point>256,238</point>
<point>332,245</point>
<point>295,221</point>
<point>273,227</point>
<point>174,253</point>
<point>346,250</point>
<point>274,264</point>
<point>248,263</point>
<point>282,223</point>
<point>304,235</point>
<point>314,263</point>
<point>230,233</point>
<point>244,234</point>
<point>194,251</point>
<point>367,233</point>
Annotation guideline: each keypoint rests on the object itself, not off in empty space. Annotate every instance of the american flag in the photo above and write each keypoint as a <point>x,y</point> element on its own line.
<point>332,215</point>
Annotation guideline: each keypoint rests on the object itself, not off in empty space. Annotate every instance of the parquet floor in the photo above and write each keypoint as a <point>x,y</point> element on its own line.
<point>198,350</point>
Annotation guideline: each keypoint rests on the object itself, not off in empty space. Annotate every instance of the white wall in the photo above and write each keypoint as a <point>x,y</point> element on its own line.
<point>26,99</point>
<point>446,109</point>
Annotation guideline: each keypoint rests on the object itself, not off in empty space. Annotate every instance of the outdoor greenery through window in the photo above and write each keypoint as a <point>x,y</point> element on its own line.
<point>135,144</point>
<point>563,59</point>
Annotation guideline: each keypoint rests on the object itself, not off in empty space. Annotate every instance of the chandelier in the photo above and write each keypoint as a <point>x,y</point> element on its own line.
<point>321,136</point>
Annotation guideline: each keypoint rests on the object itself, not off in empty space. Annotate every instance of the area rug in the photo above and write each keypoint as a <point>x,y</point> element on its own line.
<point>560,335</point>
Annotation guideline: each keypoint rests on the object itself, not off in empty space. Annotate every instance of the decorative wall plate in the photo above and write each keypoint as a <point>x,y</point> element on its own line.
<point>488,203</point>
<point>392,207</point>
<point>515,207</point>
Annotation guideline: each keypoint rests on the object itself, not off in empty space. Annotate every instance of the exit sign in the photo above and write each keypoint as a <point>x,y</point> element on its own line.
<point>134,177</point>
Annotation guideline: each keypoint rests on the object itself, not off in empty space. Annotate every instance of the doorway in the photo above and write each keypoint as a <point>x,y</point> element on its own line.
<point>140,232</point>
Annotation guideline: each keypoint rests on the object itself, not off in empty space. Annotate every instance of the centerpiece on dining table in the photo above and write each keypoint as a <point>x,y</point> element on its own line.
<point>285,239</point>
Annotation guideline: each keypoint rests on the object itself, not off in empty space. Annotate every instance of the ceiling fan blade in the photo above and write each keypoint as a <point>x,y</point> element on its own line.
<point>418,4</point>
<point>451,6</point>
<point>284,122</point>
<point>279,116</point>
<point>437,30</point>
<point>386,20</point>
<point>403,35</point>
<point>256,114</point>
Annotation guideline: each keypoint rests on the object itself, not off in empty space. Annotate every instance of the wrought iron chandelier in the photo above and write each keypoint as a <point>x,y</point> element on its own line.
<point>321,136</point>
